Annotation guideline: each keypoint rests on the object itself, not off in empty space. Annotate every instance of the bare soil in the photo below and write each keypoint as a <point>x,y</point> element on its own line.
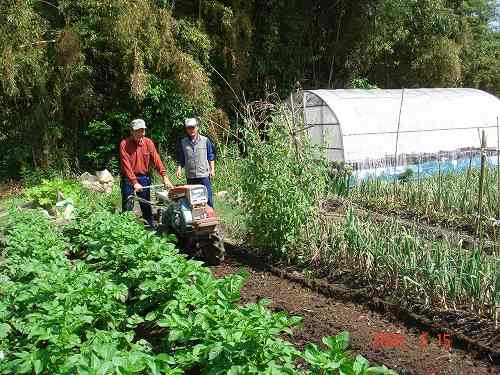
<point>328,316</point>
<point>10,188</point>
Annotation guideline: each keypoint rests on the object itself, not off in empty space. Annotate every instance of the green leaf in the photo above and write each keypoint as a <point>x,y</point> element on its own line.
<point>342,340</point>
<point>311,354</point>
<point>174,335</point>
<point>360,364</point>
<point>380,370</point>
<point>134,320</point>
<point>4,330</point>
<point>330,342</point>
<point>38,366</point>
<point>151,316</point>
<point>214,353</point>
<point>153,367</point>
<point>235,370</point>
<point>295,320</point>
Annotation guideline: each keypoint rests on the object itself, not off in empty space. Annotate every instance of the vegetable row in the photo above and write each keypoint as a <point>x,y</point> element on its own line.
<point>103,296</point>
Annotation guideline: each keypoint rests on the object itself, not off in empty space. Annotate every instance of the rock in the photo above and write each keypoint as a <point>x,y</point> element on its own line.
<point>108,188</point>
<point>46,214</point>
<point>68,213</point>
<point>87,177</point>
<point>59,196</point>
<point>64,203</point>
<point>101,183</point>
<point>104,176</point>
<point>31,204</point>
<point>65,209</point>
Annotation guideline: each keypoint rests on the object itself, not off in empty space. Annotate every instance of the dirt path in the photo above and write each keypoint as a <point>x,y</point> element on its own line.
<point>372,334</point>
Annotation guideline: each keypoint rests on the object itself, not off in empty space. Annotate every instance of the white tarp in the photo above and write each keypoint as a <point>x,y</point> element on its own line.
<point>363,124</point>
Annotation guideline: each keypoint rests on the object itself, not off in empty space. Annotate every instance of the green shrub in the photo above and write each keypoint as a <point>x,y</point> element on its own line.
<point>35,176</point>
<point>164,110</point>
<point>281,187</point>
<point>45,194</point>
<point>227,170</point>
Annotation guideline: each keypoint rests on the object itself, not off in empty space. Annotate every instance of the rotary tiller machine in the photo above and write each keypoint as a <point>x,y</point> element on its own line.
<point>184,211</point>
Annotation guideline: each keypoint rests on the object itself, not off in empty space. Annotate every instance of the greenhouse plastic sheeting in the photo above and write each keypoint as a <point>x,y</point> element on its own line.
<point>357,125</point>
<point>424,169</point>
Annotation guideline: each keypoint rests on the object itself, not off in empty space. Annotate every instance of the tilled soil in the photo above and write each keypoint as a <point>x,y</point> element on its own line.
<point>378,338</point>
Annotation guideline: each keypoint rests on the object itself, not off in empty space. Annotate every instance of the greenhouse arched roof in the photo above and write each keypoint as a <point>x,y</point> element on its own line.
<point>356,125</point>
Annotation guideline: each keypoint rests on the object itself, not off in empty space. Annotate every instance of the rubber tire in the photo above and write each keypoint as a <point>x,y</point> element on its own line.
<point>214,251</point>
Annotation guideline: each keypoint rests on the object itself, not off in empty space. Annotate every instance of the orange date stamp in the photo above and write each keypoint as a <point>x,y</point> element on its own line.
<point>395,340</point>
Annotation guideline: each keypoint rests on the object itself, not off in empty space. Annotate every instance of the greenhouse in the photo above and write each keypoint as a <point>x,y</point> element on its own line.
<point>383,131</point>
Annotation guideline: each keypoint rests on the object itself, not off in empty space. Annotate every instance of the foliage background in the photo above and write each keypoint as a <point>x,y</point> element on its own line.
<point>74,73</point>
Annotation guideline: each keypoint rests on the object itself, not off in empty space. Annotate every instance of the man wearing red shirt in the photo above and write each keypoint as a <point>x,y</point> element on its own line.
<point>135,153</point>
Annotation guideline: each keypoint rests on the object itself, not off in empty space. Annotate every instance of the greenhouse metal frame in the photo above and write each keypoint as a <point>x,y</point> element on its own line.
<point>377,128</point>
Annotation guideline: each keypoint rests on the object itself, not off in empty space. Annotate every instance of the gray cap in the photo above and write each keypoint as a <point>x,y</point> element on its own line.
<point>190,122</point>
<point>138,124</point>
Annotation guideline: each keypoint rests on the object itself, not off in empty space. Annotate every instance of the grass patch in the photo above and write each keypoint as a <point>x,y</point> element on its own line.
<point>232,220</point>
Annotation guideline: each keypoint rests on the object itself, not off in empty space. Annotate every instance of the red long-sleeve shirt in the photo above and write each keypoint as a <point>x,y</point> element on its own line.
<point>134,158</point>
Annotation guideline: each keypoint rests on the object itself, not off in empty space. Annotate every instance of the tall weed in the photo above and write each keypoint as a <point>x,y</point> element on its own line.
<point>282,180</point>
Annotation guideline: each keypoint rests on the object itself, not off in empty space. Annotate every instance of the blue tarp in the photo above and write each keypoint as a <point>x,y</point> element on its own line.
<point>429,168</point>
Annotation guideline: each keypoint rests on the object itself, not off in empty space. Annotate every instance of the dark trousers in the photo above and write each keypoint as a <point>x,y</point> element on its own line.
<point>128,190</point>
<point>205,181</point>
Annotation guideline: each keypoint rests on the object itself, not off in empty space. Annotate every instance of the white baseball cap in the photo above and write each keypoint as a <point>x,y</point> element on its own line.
<point>190,122</point>
<point>138,124</point>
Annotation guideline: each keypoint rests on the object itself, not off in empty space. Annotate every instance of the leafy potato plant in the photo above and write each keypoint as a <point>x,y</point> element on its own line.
<point>45,194</point>
<point>111,298</point>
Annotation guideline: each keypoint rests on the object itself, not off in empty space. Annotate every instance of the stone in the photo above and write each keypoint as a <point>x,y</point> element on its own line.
<point>104,176</point>
<point>46,214</point>
<point>68,213</point>
<point>59,196</point>
<point>102,182</point>
<point>64,203</point>
<point>87,177</point>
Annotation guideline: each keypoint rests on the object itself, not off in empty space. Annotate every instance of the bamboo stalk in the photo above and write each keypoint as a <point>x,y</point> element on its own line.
<point>498,171</point>
<point>498,196</point>
<point>397,140</point>
<point>291,129</point>
<point>481,185</point>
<point>419,181</point>
<point>439,183</point>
